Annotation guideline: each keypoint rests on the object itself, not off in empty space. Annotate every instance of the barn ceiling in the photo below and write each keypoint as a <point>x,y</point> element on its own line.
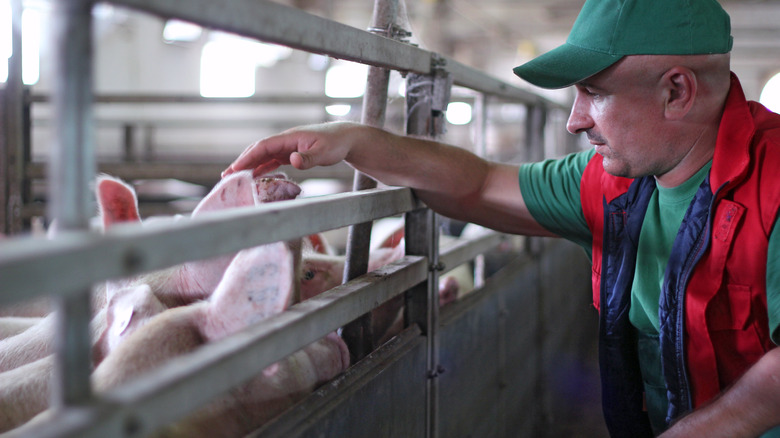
<point>494,34</point>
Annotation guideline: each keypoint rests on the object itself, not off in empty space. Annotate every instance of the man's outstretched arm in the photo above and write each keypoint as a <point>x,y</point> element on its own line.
<point>450,180</point>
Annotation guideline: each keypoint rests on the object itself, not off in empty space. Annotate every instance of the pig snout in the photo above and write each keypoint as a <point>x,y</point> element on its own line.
<point>275,188</point>
<point>448,290</point>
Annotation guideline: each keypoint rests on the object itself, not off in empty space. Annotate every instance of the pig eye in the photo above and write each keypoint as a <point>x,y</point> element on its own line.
<point>308,275</point>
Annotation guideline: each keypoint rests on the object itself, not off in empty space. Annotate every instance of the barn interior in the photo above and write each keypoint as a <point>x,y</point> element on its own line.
<point>165,94</point>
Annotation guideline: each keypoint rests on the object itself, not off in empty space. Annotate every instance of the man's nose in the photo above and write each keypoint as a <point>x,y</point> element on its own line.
<point>579,119</point>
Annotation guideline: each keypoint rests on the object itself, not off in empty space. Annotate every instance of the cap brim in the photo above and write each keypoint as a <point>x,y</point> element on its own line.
<point>563,66</point>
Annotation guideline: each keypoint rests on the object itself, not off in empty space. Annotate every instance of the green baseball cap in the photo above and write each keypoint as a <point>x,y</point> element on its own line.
<point>607,30</point>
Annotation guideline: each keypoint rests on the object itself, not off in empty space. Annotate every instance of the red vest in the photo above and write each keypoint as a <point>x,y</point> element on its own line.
<point>725,310</point>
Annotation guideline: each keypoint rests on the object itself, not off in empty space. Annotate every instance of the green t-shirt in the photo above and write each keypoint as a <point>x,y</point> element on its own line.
<point>551,190</point>
<point>665,212</point>
<point>663,218</point>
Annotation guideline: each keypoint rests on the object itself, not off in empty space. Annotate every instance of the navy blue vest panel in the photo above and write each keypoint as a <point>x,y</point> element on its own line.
<point>621,378</point>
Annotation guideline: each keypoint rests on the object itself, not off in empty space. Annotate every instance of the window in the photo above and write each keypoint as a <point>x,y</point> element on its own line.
<point>31,38</point>
<point>228,63</point>
<point>770,95</point>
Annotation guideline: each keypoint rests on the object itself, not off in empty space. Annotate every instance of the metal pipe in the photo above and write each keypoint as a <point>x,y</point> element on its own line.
<point>71,169</point>
<point>358,334</point>
<point>480,108</point>
<point>132,250</point>
<point>426,101</point>
<point>276,23</point>
<point>13,130</point>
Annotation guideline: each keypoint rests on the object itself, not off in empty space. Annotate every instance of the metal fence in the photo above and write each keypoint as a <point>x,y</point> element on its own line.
<point>67,266</point>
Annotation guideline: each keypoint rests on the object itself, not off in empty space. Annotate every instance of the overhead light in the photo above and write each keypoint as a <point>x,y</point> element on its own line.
<point>178,31</point>
<point>225,71</point>
<point>228,64</point>
<point>31,39</point>
<point>339,109</point>
<point>458,113</point>
<point>347,79</point>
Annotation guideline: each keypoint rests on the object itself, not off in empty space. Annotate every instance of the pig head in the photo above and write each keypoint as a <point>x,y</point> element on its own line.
<point>131,302</point>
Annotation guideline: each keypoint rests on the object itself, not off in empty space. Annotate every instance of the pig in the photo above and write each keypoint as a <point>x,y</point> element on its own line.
<point>176,286</point>
<point>321,272</point>
<point>191,281</point>
<point>259,283</point>
<point>24,392</point>
<point>133,303</point>
<point>182,284</point>
<point>36,308</point>
<point>36,341</point>
<point>13,325</point>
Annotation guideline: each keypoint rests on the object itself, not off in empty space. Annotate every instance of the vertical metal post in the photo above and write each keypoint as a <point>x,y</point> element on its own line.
<point>13,130</point>
<point>71,168</point>
<point>427,97</point>
<point>4,146</point>
<point>535,120</point>
<point>128,141</point>
<point>358,334</point>
<point>480,104</point>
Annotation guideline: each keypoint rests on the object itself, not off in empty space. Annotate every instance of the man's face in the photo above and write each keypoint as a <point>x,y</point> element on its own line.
<point>621,112</point>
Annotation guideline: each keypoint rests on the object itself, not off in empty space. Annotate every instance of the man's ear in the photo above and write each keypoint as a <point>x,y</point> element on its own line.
<point>680,87</point>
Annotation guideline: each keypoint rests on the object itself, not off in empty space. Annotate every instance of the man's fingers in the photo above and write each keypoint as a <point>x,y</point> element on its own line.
<point>303,148</point>
<point>301,160</point>
<point>265,168</point>
<point>268,153</point>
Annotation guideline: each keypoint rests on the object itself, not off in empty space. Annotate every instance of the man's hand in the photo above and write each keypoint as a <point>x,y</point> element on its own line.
<point>303,147</point>
<point>748,408</point>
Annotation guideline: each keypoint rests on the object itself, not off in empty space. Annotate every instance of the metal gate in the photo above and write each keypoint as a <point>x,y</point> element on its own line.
<point>410,367</point>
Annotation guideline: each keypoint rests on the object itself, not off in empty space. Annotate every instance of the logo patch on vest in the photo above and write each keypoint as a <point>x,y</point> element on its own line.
<point>726,220</point>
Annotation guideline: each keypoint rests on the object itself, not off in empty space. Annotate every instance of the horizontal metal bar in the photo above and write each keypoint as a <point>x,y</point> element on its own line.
<point>31,267</point>
<point>188,382</point>
<point>327,398</point>
<point>474,79</point>
<point>279,123</point>
<point>275,99</point>
<point>464,250</point>
<point>276,23</point>
<point>193,171</point>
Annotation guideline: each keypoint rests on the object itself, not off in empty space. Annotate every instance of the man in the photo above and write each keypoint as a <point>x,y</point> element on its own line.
<point>676,205</point>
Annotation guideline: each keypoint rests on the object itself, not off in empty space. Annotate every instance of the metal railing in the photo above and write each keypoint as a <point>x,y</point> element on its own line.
<point>69,265</point>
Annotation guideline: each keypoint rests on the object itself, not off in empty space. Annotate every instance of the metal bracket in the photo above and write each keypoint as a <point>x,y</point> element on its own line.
<point>432,374</point>
<point>393,31</point>
<point>427,98</point>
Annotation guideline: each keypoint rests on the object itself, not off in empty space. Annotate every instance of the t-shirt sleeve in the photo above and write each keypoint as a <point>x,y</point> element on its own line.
<point>773,283</point>
<point>551,191</point>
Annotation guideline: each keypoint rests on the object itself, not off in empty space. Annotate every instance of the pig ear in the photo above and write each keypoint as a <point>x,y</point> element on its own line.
<point>394,239</point>
<point>259,282</point>
<point>117,201</point>
<point>319,245</point>
<point>233,191</point>
<point>382,256</point>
